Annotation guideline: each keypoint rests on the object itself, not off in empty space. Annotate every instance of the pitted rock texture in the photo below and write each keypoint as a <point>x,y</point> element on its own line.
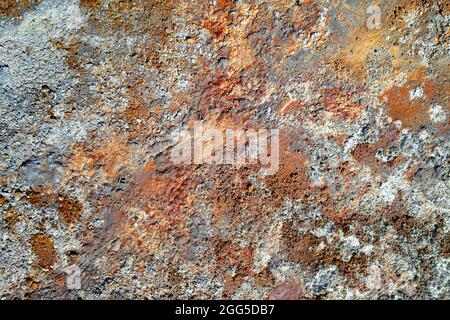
<point>91,92</point>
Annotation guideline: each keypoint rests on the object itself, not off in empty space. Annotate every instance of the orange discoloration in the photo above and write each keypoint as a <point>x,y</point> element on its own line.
<point>337,101</point>
<point>73,59</point>
<point>8,7</point>
<point>113,156</point>
<point>40,197</point>
<point>136,110</point>
<point>365,153</point>
<point>265,277</point>
<point>305,17</point>
<point>355,54</point>
<point>217,23</point>
<point>81,163</point>
<point>301,248</point>
<point>122,17</point>
<point>396,214</point>
<point>32,284</point>
<point>42,246</point>
<point>60,281</point>
<point>140,117</point>
<point>216,28</point>
<point>240,54</point>
<point>291,105</point>
<point>234,194</point>
<point>229,255</point>
<point>339,138</point>
<point>446,8</point>
<point>110,157</point>
<point>170,191</point>
<point>413,113</point>
<point>446,246</point>
<point>69,209</point>
<point>226,4</point>
<point>176,218</point>
<point>150,166</point>
<point>12,217</point>
<point>291,180</point>
<point>342,219</point>
<point>163,197</point>
<point>218,92</point>
<point>16,7</point>
<point>90,3</point>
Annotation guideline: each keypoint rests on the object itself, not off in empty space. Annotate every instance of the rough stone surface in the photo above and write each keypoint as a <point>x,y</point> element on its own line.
<point>91,92</point>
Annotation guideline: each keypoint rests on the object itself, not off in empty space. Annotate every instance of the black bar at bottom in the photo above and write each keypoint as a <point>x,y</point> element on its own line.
<point>204,309</point>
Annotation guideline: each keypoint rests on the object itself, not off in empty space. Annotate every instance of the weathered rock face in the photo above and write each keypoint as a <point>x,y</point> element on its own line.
<point>92,92</point>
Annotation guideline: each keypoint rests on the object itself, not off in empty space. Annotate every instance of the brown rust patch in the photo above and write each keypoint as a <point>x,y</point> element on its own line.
<point>365,153</point>
<point>163,192</point>
<point>445,251</point>
<point>265,277</point>
<point>397,216</point>
<point>73,59</point>
<point>342,219</point>
<point>301,248</point>
<point>288,106</point>
<point>233,192</point>
<point>218,92</point>
<point>291,180</point>
<point>166,187</point>
<point>32,284</point>
<point>215,28</point>
<point>305,17</point>
<point>360,41</point>
<point>90,3</point>
<point>60,281</point>
<point>151,17</point>
<point>12,217</point>
<point>40,197</point>
<point>42,246</point>
<point>413,113</point>
<point>2,200</point>
<point>69,208</point>
<point>141,118</point>
<point>107,160</point>
<point>354,268</point>
<point>362,152</point>
<point>226,4</point>
<point>174,278</point>
<point>339,102</point>
<point>8,7</point>
<point>229,255</point>
<point>16,8</point>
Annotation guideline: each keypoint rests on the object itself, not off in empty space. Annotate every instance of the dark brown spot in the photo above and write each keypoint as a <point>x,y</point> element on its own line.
<point>69,209</point>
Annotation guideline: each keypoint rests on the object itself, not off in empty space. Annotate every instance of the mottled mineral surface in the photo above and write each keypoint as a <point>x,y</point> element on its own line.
<point>93,91</point>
